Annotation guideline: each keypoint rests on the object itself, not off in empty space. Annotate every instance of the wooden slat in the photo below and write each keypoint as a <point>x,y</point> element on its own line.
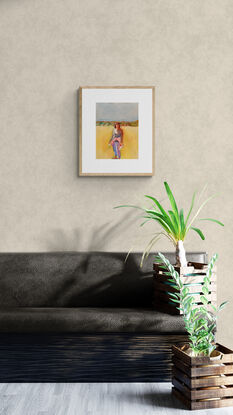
<point>194,270</point>
<point>197,297</point>
<point>198,265</point>
<point>178,395</point>
<point>190,279</point>
<point>182,388</point>
<point>193,279</point>
<point>187,369</point>
<point>211,381</point>
<point>194,371</point>
<point>207,404</point>
<point>198,269</point>
<point>158,286</point>
<point>202,381</point>
<point>180,270</point>
<point>181,376</point>
<point>210,297</point>
<point>162,295</point>
<point>203,360</point>
<point>221,392</point>
<point>212,370</point>
<point>180,354</point>
<point>227,354</point>
<point>219,403</point>
<point>216,392</point>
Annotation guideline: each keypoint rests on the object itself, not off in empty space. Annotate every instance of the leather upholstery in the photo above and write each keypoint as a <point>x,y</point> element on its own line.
<point>81,293</point>
<point>87,320</point>
<point>77,279</point>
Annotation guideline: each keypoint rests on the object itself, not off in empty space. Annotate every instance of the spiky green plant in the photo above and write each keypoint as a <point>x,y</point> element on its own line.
<point>175,225</point>
<point>200,323</point>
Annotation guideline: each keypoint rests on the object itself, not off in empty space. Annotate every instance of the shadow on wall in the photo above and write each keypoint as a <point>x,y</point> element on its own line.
<point>69,127</point>
<point>99,238</point>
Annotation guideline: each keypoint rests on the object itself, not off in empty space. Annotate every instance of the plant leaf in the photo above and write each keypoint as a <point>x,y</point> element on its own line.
<point>130,206</point>
<point>182,225</point>
<point>175,223</point>
<point>198,231</point>
<point>172,200</point>
<point>213,220</point>
<point>199,210</point>
<point>149,246</point>
<point>222,305</point>
<point>214,308</point>
<point>145,221</point>
<point>190,209</point>
<point>165,219</point>
<point>203,299</point>
<point>163,211</point>
<point>205,290</point>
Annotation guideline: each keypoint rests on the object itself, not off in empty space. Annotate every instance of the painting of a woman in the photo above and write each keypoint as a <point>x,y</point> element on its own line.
<point>116,141</point>
<point>117,130</point>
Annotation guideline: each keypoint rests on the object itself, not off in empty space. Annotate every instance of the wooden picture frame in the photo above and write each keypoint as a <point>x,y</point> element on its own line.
<point>129,141</point>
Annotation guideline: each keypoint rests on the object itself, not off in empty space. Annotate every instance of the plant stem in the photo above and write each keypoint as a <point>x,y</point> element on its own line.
<point>181,260</point>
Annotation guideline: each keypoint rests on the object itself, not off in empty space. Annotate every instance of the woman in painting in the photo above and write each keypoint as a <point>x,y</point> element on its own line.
<point>117,140</point>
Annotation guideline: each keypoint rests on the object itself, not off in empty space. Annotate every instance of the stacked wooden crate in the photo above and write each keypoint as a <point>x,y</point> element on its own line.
<point>192,277</point>
<point>200,382</point>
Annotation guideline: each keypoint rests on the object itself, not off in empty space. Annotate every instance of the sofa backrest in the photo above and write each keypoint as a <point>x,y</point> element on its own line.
<point>78,279</point>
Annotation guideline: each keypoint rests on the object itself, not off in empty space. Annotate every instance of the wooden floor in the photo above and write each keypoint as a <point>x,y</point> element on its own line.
<point>93,398</point>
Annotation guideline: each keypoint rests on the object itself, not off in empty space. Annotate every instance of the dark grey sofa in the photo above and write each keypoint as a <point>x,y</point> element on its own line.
<point>72,316</point>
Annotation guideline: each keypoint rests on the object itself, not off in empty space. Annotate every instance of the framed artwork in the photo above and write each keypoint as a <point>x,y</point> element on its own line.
<point>116,131</point>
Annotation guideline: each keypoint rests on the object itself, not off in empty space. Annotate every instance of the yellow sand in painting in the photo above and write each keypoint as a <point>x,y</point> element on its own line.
<point>130,140</point>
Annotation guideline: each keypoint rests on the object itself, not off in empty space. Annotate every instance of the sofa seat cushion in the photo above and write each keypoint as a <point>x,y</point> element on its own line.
<point>87,320</point>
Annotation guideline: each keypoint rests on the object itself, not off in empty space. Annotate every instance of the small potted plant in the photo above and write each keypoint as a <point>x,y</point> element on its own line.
<point>175,226</point>
<point>202,369</point>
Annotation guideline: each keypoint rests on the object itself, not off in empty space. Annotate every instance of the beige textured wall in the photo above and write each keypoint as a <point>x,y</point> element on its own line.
<point>49,48</point>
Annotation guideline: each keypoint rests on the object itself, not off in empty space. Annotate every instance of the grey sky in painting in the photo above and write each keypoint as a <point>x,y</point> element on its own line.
<point>116,111</point>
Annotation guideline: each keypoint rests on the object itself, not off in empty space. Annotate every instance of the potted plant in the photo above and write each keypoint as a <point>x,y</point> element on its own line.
<point>202,369</point>
<point>175,225</point>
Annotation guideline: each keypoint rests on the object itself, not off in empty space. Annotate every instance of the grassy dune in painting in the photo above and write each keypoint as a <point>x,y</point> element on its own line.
<point>130,140</point>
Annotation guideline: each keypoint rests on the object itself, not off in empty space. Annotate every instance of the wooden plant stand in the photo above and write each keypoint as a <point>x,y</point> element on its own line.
<point>201,383</point>
<point>192,276</point>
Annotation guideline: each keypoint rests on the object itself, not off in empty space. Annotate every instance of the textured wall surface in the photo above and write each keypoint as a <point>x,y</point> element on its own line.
<point>48,49</point>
